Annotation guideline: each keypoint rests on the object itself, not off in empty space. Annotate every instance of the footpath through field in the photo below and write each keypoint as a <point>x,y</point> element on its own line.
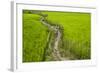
<point>56,54</point>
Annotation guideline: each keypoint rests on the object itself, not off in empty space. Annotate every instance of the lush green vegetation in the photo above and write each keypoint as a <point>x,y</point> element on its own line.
<point>75,41</point>
<point>76,33</point>
<point>34,38</point>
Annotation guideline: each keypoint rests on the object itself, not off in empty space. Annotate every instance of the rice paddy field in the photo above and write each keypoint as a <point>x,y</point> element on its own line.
<point>34,34</point>
<point>75,41</point>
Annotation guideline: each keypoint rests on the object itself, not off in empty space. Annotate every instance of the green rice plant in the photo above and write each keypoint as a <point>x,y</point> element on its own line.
<point>76,29</point>
<point>34,38</point>
<point>75,42</point>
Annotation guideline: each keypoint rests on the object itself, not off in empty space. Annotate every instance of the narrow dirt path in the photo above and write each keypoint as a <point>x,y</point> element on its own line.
<point>56,54</point>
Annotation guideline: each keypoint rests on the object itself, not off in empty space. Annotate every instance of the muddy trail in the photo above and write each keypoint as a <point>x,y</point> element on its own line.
<point>56,53</point>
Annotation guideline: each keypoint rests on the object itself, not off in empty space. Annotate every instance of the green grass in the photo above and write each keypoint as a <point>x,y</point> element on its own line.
<point>77,31</point>
<point>34,38</point>
<point>76,35</point>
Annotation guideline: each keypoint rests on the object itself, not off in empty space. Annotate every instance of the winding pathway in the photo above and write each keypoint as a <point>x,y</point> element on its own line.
<point>56,54</point>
